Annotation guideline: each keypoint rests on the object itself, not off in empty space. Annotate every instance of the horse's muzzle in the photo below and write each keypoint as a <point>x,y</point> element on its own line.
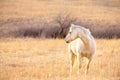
<point>66,41</point>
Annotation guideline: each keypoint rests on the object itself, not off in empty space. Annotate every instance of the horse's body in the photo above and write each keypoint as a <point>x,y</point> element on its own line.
<point>80,44</point>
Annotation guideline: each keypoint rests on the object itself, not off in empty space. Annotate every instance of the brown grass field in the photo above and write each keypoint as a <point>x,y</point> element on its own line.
<point>96,11</point>
<point>47,59</point>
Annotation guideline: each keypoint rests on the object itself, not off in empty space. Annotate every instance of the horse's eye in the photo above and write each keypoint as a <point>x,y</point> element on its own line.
<point>69,32</point>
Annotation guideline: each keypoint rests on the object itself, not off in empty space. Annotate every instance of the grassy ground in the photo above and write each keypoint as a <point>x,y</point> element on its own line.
<point>88,10</point>
<point>37,59</point>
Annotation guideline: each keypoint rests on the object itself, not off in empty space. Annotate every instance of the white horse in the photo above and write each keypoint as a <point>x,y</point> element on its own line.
<point>81,44</point>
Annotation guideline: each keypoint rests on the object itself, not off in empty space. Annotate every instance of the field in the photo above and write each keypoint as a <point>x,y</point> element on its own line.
<point>26,53</point>
<point>88,9</point>
<point>47,59</point>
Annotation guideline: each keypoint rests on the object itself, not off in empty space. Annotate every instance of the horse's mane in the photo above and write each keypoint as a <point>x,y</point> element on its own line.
<point>86,31</point>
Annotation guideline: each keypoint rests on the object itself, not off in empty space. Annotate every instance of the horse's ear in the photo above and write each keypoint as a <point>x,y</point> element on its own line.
<point>71,27</point>
<point>72,24</point>
<point>88,30</point>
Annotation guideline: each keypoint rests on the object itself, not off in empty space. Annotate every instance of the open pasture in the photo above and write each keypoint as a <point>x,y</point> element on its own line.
<point>47,59</point>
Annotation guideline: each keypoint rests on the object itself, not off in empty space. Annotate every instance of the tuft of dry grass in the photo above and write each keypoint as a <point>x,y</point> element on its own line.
<point>38,59</point>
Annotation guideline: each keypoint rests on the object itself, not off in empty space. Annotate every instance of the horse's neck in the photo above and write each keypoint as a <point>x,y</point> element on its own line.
<point>86,40</point>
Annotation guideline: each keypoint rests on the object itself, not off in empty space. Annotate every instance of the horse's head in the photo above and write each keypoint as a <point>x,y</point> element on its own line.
<point>72,34</point>
<point>76,31</point>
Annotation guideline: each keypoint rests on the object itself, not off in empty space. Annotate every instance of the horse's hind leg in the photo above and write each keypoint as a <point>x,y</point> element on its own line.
<point>89,61</point>
<point>79,62</point>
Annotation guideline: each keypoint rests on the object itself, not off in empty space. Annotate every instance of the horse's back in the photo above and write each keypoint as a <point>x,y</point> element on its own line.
<point>92,45</point>
<point>78,46</point>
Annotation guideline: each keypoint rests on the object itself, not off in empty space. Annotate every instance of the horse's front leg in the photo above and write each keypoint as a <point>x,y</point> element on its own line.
<point>71,62</point>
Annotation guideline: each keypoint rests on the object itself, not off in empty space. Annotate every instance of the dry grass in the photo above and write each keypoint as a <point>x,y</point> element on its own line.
<point>37,59</point>
<point>88,10</point>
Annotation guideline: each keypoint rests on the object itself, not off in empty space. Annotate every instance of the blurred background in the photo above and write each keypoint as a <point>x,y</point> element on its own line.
<point>52,18</point>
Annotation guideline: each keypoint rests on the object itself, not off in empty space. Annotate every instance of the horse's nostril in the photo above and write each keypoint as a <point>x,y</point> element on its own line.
<point>67,41</point>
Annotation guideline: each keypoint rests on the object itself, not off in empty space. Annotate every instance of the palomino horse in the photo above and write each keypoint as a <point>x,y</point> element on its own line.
<point>81,44</point>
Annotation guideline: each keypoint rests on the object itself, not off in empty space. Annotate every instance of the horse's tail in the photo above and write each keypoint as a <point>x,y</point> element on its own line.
<point>74,60</point>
